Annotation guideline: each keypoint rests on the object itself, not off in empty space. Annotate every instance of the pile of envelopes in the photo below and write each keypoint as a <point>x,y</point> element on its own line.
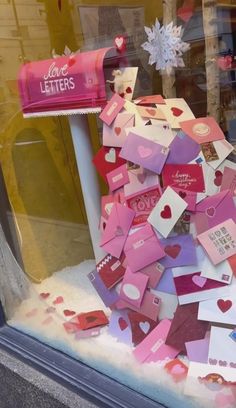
<point>168,226</point>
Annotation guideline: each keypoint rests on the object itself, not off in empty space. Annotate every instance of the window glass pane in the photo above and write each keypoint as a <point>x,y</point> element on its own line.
<point>52,224</point>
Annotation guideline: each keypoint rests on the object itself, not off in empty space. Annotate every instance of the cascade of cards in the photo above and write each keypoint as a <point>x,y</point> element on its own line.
<point>168,226</point>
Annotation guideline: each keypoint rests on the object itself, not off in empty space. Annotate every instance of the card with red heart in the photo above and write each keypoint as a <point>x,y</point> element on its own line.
<point>92,319</point>
<point>176,110</point>
<point>107,159</point>
<point>167,212</point>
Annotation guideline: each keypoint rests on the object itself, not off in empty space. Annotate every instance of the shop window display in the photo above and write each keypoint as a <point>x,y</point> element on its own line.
<point>133,274</point>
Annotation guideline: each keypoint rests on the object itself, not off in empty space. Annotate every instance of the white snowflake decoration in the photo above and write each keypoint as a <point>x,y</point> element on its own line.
<point>165,46</point>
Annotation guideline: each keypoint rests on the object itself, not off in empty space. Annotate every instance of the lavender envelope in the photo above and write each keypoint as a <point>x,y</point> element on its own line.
<point>142,248</point>
<point>148,154</point>
<point>197,350</point>
<point>183,149</point>
<point>109,297</point>
<point>117,229</point>
<point>179,250</point>
<point>119,326</point>
<point>214,210</point>
<point>115,135</point>
<point>166,283</point>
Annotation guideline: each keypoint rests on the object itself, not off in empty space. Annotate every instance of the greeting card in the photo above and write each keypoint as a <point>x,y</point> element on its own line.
<point>184,176</point>
<point>150,112</point>
<point>219,242</point>
<point>167,212</point>
<point>175,111</point>
<point>221,348</point>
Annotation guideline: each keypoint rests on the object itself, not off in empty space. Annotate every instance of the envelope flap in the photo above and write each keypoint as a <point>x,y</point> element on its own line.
<point>212,201</point>
<point>123,119</point>
<point>115,224</point>
<point>139,238</point>
<point>184,315</point>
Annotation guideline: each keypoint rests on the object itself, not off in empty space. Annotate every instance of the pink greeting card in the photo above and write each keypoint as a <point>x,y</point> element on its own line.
<point>202,130</point>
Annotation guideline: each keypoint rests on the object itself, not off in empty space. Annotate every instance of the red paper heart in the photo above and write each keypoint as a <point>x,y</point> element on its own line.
<point>71,61</point>
<point>151,112</point>
<point>176,111</point>
<point>210,211</point>
<point>44,295</point>
<point>128,90</point>
<point>224,305</point>
<point>120,43</point>
<point>122,323</point>
<point>58,300</point>
<point>182,194</point>
<point>69,312</point>
<point>172,250</point>
<point>117,130</point>
<point>166,212</point>
<point>218,178</point>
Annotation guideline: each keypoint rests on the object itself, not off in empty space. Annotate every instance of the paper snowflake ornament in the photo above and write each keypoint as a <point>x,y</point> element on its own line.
<point>165,46</point>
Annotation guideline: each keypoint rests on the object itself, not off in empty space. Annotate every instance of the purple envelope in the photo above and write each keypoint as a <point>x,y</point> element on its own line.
<point>198,350</point>
<point>119,326</point>
<point>179,250</point>
<point>183,149</point>
<point>166,283</point>
<point>109,297</point>
<point>146,153</point>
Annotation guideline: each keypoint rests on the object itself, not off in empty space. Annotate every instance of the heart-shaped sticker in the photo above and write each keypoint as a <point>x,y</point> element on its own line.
<point>218,178</point>
<point>199,281</point>
<point>172,250</point>
<point>210,212</point>
<point>182,194</point>
<point>145,327</point>
<point>117,131</point>
<point>176,111</point>
<point>110,157</point>
<point>224,305</point>
<point>166,212</point>
<point>144,151</point>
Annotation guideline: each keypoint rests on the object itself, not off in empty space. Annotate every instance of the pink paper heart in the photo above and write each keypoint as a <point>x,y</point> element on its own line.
<point>178,369</point>
<point>144,151</point>
<point>58,300</point>
<point>210,211</point>
<point>200,281</point>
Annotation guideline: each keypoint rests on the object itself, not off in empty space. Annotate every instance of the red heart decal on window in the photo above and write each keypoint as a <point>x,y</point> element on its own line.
<point>172,250</point>
<point>176,111</point>
<point>166,212</point>
<point>58,300</point>
<point>218,178</point>
<point>122,323</point>
<point>224,305</point>
<point>44,295</point>
<point>128,90</point>
<point>68,312</point>
<point>117,130</point>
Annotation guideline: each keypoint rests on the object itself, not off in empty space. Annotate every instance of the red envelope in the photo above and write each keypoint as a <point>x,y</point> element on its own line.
<point>92,319</point>
<point>184,176</point>
<point>185,327</point>
<point>107,159</point>
<point>202,130</point>
<point>141,326</point>
<point>111,270</point>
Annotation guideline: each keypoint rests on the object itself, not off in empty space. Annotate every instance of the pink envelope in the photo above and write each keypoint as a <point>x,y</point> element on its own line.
<point>154,271</point>
<point>146,153</point>
<point>118,177</point>
<point>153,347</point>
<point>150,305</point>
<point>189,196</point>
<point>140,179</point>
<point>142,248</point>
<point>133,287</point>
<point>112,109</point>
<point>202,130</point>
<point>229,180</point>
<point>117,229</point>
<point>213,210</point>
<point>107,202</point>
<point>115,135</point>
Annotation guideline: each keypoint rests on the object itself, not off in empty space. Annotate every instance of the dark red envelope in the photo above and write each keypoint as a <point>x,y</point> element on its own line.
<point>185,327</point>
<point>141,326</point>
<point>107,159</point>
<point>111,270</point>
<point>92,319</point>
<point>184,176</point>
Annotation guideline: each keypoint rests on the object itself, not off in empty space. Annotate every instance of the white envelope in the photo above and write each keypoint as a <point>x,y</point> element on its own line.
<point>161,133</point>
<point>169,303</point>
<point>202,382</point>
<point>221,348</point>
<point>132,108</point>
<point>223,149</point>
<point>220,310</point>
<point>176,110</point>
<point>221,272</point>
<point>167,212</point>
